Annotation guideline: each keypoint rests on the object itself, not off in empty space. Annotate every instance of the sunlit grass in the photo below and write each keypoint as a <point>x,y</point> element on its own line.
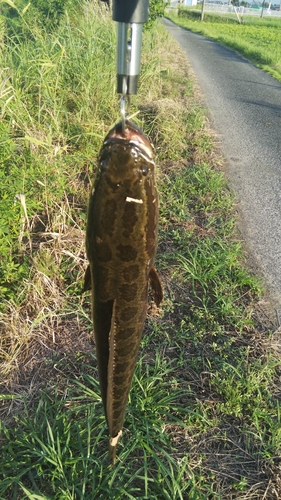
<point>257,39</point>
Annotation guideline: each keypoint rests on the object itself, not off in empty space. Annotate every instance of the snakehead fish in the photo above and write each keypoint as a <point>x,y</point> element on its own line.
<point>121,241</point>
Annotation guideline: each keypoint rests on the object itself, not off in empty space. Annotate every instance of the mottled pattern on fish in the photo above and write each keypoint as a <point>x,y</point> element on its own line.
<point>121,242</point>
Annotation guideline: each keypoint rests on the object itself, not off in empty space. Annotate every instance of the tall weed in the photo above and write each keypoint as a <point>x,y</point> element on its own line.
<point>56,100</point>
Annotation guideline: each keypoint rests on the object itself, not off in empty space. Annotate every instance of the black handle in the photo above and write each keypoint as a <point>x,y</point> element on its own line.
<point>130,11</point>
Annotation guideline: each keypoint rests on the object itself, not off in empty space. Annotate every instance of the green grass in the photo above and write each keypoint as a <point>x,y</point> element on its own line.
<point>61,451</point>
<point>258,39</point>
<point>203,417</point>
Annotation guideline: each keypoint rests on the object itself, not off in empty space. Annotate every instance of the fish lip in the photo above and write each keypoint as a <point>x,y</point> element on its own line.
<point>133,135</point>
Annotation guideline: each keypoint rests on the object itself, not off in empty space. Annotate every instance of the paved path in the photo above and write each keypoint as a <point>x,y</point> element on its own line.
<point>245,108</point>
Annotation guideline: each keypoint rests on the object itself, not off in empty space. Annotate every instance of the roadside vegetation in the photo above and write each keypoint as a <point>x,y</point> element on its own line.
<point>258,39</point>
<point>203,419</point>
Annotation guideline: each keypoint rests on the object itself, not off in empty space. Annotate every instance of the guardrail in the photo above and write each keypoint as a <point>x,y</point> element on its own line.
<point>227,9</point>
<point>242,11</point>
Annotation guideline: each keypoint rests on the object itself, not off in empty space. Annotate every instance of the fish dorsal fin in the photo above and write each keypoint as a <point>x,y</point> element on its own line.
<point>156,286</point>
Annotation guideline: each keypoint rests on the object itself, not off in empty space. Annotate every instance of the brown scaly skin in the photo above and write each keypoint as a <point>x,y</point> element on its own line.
<point>121,241</point>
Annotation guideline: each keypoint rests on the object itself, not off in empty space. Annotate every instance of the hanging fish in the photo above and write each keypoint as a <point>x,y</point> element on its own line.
<point>121,241</point>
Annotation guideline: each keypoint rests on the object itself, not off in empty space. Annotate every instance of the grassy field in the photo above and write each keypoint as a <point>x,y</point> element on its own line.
<point>258,39</point>
<point>203,418</point>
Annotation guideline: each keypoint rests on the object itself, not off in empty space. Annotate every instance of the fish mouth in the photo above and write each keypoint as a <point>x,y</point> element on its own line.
<point>131,134</point>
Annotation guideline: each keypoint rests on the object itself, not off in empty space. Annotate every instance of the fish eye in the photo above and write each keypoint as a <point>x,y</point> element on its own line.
<point>145,170</point>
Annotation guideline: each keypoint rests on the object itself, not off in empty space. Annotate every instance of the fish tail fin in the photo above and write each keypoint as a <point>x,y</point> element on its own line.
<point>156,286</point>
<point>113,441</point>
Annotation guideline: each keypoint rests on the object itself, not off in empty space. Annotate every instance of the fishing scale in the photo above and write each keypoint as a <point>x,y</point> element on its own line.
<point>130,16</point>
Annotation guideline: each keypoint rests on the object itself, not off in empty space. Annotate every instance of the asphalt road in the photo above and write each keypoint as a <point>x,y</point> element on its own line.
<point>245,110</point>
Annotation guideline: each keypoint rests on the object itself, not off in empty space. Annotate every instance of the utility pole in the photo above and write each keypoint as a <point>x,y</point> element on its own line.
<point>203,10</point>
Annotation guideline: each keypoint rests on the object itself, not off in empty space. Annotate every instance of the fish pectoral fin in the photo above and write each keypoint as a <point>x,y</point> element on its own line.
<point>87,280</point>
<point>156,286</point>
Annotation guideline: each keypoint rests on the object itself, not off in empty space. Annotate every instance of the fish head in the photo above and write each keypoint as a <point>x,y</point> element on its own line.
<point>126,157</point>
<point>132,134</point>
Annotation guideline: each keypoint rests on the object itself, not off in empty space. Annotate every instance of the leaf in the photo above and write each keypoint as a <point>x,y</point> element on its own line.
<point>25,9</point>
<point>10,396</point>
<point>35,141</point>
<point>32,496</point>
<point>9,2</point>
